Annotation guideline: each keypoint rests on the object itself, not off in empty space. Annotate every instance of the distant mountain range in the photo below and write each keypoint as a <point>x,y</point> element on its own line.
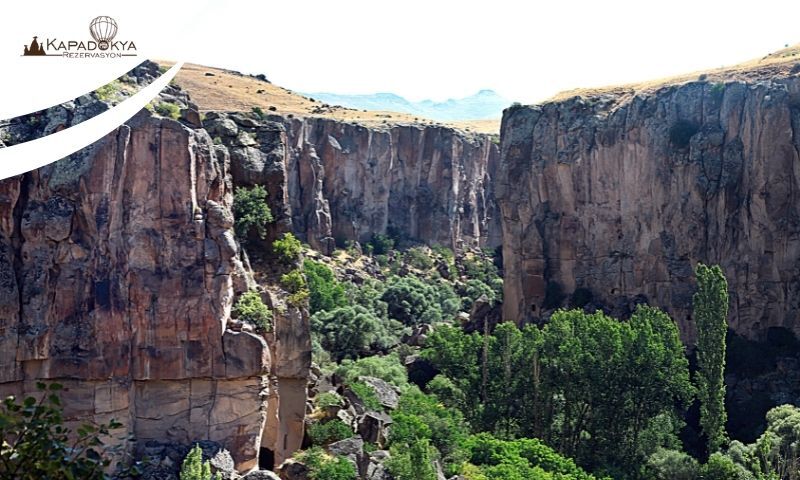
<point>485,104</point>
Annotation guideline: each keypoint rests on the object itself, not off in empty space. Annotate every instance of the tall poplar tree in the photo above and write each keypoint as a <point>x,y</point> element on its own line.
<point>710,305</point>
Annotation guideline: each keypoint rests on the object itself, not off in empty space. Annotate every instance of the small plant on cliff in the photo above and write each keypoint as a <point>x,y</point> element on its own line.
<point>367,395</point>
<point>326,292</point>
<point>107,91</point>
<point>36,445</point>
<point>295,283</point>
<point>381,244</point>
<point>322,466</point>
<point>329,432</point>
<point>251,211</point>
<point>287,248</point>
<point>258,112</point>
<point>249,308</point>
<point>166,109</point>
<point>194,468</point>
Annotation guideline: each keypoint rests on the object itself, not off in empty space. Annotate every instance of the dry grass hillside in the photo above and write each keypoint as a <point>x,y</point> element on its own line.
<point>776,64</point>
<point>219,89</point>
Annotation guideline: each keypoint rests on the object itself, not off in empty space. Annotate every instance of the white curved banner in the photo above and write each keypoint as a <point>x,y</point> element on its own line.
<point>18,159</point>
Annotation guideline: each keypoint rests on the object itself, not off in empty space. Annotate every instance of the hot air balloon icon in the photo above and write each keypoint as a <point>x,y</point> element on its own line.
<point>103,30</point>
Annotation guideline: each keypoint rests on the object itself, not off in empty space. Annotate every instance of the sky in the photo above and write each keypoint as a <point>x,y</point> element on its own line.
<point>439,49</point>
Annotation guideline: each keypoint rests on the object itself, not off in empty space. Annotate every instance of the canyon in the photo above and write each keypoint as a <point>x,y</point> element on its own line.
<point>119,264</point>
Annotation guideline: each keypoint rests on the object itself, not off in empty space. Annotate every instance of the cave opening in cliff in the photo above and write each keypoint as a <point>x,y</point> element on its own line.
<point>266,459</point>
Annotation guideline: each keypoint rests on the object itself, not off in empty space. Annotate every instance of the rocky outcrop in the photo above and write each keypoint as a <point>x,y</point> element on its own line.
<point>335,182</point>
<point>118,269</point>
<point>615,198</point>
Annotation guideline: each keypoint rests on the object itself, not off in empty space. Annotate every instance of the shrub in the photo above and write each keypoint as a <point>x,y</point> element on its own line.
<point>287,248</point>
<point>328,399</point>
<point>386,367</point>
<point>412,462</point>
<point>412,301</point>
<point>251,211</point>
<point>326,293</point>
<point>418,258</point>
<point>249,308</point>
<point>258,112</point>
<point>170,110</point>
<point>473,291</point>
<point>194,468</point>
<point>107,91</point>
<point>329,432</point>
<point>366,394</point>
<point>381,244</point>
<point>293,281</point>
<point>351,331</point>
<point>36,445</point>
<point>323,467</point>
<point>672,465</point>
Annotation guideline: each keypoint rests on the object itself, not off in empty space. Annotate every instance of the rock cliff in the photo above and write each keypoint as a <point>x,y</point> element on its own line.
<point>118,270</point>
<point>613,198</point>
<point>334,181</point>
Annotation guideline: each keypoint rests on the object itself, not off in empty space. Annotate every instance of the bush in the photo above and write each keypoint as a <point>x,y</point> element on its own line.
<point>258,112</point>
<point>107,91</point>
<point>194,468</point>
<point>287,248</point>
<point>418,258</point>
<point>412,301</point>
<point>36,445</point>
<point>323,467</point>
<point>352,331</point>
<point>473,291</point>
<point>170,110</point>
<point>329,432</point>
<point>412,462</point>
<point>381,244</point>
<point>328,399</point>
<point>293,281</point>
<point>386,367</point>
<point>326,293</point>
<point>251,211</point>
<point>672,465</point>
<point>249,308</point>
<point>367,395</point>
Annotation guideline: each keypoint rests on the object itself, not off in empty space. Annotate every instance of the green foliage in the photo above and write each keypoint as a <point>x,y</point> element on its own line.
<point>381,244</point>
<point>171,110</point>
<point>775,452</point>
<point>287,248</point>
<point>525,458</point>
<point>36,444</point>
<point>258,112</point>
<point>194,468</point>
<point>366,394</point>
<point>594,389</point>
<point>249,308</point>
<point>328,399</point>
<point>326,293</point>
<point>681,132</point>
<point>329,432</point>
<point>721,467</point>
<point>251,211</point>
<point>665,464</point>
<point>412,301</point>
<point>710,305</point>
<point>480,267</point>
<point>413,461</point>
<point>108,91</point>
<point>418,258</point>
<point>323,467</point>
<point>474,289</point>
<point>294,281</point>
<point>352,331</point>
<point>386,367</point>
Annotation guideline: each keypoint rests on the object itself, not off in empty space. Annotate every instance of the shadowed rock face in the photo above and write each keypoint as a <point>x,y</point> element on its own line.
<point>335,181</point>
<point>118,267</point>
<point>624,195</point>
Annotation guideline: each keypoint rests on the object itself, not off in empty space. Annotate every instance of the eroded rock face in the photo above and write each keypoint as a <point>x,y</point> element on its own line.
<point>623,195</point>
<point>118,268</point>
<point>336,181</point>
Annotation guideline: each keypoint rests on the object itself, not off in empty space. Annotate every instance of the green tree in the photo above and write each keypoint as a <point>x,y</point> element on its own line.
<point>412,461</point>
<point>352,331</point>
<point>249,308</point>
<point>413,301</point>
<point>36,444</point>
<point>251,211</point>
<point>326,293</point>
<point>194,468</point>
<point>710,305</point>
<point>287,248</point>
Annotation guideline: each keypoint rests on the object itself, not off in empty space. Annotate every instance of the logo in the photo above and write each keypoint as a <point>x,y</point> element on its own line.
<point>103,44</point>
